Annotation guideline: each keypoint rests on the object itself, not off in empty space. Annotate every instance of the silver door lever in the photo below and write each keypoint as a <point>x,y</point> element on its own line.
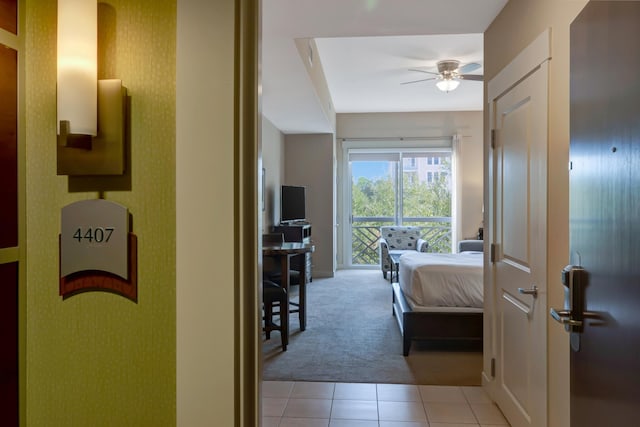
<point>564,317</point>
<point>531,291</point>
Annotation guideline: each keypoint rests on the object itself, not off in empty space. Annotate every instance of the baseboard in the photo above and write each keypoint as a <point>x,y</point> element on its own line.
<point>321,274</point>
<point>486,380</point>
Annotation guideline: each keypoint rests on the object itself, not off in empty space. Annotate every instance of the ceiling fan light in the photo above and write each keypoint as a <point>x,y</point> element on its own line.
<point>447,85</point>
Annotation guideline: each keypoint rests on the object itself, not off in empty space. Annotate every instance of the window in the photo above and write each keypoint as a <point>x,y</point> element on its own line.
<point>410,163</point>
<point>397,187</point>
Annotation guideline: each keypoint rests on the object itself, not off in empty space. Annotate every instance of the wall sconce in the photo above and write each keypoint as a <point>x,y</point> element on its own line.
<point>91,113</point>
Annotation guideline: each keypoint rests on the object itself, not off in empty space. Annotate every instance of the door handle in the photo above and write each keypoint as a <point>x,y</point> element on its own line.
<point>564,317</point>
<point>531,291</point>
<point>574,280</point>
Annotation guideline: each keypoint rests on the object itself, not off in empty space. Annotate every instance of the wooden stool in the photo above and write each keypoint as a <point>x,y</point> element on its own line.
<point>274,296</point>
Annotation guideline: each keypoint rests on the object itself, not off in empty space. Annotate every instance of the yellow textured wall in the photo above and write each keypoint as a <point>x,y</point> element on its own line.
<point>98,359</point>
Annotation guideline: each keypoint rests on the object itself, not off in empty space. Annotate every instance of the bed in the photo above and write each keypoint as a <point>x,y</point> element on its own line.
<point>439,297</point>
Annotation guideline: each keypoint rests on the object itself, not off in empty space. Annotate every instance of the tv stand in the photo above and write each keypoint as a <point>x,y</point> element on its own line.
<point>293,223</point>
<point>297,232</point>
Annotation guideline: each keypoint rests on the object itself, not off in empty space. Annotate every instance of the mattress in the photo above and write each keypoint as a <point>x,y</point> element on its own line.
<point>442,280</point>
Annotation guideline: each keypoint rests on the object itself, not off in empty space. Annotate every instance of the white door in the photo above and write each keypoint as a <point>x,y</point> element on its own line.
<point>518,271</point>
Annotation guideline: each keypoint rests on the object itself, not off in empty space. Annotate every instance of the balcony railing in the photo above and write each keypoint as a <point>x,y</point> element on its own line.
<point>366,233</point>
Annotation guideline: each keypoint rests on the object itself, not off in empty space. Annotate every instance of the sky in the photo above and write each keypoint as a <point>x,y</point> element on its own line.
<point>370,170</point>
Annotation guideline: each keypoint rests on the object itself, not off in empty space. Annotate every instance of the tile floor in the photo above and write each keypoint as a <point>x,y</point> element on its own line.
<point>289,404</point>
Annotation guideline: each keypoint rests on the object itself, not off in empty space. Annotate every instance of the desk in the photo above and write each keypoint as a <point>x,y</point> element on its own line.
<point>284,252</point>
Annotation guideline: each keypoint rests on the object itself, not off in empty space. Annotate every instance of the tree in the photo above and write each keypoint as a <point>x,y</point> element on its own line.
<point>421,199</point>
<point>376,198</point>
<point>373,198</point>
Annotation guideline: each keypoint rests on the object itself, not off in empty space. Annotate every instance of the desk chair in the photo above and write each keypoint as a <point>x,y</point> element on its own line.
<point>274,296</point>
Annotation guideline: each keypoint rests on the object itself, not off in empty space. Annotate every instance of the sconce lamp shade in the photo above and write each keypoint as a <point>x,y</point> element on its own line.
<point>78,65</point>
<point>447,85</point>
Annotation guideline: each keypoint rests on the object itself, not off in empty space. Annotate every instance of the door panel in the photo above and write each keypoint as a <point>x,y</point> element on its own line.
<point>9,15</point>
<point>514,320</point>
<point>520,240</point>
<point>8,147</point>
<point>604,207</point>
<point>9,343</point>
<point>515,187</point>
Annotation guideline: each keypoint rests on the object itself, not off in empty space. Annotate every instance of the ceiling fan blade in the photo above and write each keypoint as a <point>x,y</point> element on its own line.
<point>416,81</point>
<point>467,68</point>
<point>474,77</point>
<point>423,71</point>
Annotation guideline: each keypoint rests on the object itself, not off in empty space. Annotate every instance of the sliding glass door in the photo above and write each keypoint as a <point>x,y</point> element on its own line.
<point>426,190</point>
<point>374,202</point>
<point>397,187</point>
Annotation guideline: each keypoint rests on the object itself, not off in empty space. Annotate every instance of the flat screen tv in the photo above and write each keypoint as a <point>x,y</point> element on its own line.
<point>292,203</point>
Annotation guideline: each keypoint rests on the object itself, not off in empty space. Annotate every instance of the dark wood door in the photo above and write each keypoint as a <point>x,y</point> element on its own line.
<point>605,212</point>
<point>9,391</point>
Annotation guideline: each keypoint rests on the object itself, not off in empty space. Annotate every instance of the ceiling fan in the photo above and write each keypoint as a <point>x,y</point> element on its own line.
<point>449,74</point>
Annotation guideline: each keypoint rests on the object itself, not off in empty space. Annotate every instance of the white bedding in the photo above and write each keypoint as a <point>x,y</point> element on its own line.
<point>442,280</point>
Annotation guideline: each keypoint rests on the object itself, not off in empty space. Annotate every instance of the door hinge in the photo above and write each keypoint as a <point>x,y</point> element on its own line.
<point>493,252</point>
<point>493,138</point>
<point>493,367</point>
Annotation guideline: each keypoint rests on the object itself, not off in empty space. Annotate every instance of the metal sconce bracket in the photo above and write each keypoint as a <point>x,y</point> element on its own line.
<point>103,154</point>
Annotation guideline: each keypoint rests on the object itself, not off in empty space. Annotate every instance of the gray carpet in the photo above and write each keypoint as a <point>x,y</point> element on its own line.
<point>351,336</point>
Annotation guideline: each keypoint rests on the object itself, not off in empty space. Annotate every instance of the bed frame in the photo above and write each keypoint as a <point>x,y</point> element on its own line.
<point>439,326</point>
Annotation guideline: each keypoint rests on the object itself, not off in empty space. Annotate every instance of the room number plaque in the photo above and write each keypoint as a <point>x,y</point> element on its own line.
<point>96,248</point>
<point>94,237</point>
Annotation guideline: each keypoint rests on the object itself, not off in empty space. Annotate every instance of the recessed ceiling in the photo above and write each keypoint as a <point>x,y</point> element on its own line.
<point>365,74</point>
<point>366,48</point>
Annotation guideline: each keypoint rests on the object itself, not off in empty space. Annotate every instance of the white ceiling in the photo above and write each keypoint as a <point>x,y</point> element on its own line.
<point>366,48</point>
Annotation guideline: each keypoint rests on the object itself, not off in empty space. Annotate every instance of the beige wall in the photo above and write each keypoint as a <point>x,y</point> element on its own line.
<point>97,358</point>
<point>273,163</point>
<point>466,124</point>
<point>309,161</point>
<point>207,318</point>
<point>307,47</point>
<point>518,25</point>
